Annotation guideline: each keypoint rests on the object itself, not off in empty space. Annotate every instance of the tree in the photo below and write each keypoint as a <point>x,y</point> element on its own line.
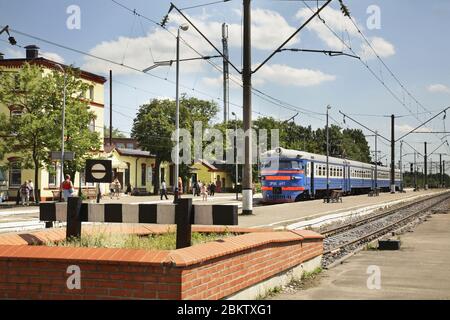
<point>116,133</point>
<point>155,122</point>
<point>36,131</point>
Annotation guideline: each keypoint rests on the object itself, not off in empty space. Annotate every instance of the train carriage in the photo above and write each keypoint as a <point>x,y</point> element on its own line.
<point>290,175</point>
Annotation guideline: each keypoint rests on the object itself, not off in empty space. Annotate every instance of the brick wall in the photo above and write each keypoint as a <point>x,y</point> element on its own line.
<point>208,271</point>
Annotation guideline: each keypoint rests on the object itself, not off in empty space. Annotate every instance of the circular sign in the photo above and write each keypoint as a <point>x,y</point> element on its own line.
<point>98,171</point>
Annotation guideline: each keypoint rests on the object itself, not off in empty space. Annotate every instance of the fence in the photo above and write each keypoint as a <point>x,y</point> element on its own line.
<point>183,214</point>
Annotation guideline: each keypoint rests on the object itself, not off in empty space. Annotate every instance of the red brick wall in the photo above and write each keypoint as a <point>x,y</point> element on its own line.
<point>223,277</point>
<point>208,271</point>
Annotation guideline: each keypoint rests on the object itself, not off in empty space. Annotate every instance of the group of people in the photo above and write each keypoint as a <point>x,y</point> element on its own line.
<point>203,189</point>
<point>26,190</point>
<point>114,189</point>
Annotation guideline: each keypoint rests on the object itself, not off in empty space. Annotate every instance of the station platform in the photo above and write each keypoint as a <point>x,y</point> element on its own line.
<point>419,270</point>
<point>287,214</point>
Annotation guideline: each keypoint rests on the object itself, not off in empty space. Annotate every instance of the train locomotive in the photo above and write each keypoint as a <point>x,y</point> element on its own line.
<point>290,175</point>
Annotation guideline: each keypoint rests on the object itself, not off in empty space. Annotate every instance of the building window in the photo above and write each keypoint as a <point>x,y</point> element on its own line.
<point>91,93</point>
<point>130,146</point>
<point>15,174</point>
<point>52,175</point>
<point>143,174</point>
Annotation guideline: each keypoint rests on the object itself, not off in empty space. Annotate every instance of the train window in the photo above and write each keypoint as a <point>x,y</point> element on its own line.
<point>289,165</point>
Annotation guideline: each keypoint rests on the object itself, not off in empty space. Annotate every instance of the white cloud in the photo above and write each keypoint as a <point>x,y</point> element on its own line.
<point>289,76</point>
<point>268,30</point>
<point>405,128</point>
<point>138,52</point>
<point>438,88</point>
<point>382,47</point>
<point>345,29</point>
<point>335,20</point>
<point>52,56</point>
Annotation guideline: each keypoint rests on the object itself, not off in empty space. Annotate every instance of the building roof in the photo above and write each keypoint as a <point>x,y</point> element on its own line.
<point>134,153</point>
<point>17,63</point>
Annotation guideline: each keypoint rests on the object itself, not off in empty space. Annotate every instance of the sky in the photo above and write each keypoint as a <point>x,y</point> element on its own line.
<point>408,35</point>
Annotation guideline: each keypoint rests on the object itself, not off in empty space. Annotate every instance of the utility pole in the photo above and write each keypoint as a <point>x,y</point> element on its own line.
<point>110,108</point>
<point>440,171</point>
<point>328,154</point>
<point>225,72</point>
<point>400,164</point>
<point>425,167</point>
<point>247,190</point>
<point>392,155</point>
<point>415,172</point>
<point>443,173</point>
<point>376,163</point>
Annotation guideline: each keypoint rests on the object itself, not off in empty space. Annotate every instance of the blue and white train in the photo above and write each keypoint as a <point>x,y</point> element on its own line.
<point>290,175</point>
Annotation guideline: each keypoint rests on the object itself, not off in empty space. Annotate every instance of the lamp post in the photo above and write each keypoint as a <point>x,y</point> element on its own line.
<point>328,154</point>
<point>183,27</point>
<point>61,174</point>
<point>235,154</point>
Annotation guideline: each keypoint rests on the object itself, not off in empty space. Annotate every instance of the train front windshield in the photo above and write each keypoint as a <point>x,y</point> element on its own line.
<point>282,165</point>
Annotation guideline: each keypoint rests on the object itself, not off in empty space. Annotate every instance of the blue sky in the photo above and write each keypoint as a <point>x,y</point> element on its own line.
<point>411,41</point>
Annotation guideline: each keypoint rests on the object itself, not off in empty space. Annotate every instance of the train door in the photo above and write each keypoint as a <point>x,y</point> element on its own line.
<point>312,179</point>
<point>344,176</point>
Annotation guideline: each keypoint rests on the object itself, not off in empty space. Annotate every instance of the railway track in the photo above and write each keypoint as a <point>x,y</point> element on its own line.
<point>343,240</point>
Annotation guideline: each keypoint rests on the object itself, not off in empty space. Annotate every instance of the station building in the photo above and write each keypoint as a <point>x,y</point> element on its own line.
<point>11,173</point>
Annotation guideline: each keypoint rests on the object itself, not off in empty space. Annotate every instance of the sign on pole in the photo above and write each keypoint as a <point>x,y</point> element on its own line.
<point>99,171</point>
<point>68,155</point>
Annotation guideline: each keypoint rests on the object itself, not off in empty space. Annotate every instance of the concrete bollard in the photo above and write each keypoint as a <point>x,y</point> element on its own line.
<point>73,228</point>
<point>183,210</point>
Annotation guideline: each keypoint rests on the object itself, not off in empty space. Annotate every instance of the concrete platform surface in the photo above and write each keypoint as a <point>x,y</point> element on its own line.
<point>419,270</point>
<point>289,213</point>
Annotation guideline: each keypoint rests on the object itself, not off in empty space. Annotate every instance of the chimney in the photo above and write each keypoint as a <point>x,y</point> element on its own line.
<point>32,52</point>
<point>2,56</point>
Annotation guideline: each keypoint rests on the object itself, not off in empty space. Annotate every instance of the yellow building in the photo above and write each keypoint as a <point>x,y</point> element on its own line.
<point>134,167</point>
<point>14,176</point>
<point>206,172</point>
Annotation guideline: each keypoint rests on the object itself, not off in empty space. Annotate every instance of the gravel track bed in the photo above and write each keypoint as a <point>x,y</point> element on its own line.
<point>343,243</point>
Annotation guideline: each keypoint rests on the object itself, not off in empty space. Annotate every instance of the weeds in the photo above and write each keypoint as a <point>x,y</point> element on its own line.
<point>166,241</point>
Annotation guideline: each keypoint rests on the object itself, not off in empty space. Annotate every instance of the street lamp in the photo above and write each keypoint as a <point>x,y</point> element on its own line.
<point>235,153</point>
<point>328,154</point>
<point>11,39</point>
<point>183,27</point>
<point>61,175</point>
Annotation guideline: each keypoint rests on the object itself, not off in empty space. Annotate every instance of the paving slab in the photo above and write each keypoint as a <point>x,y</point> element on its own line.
<point>419,270</point>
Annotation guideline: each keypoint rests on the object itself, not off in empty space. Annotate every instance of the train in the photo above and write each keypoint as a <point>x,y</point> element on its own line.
<point>289,175</point>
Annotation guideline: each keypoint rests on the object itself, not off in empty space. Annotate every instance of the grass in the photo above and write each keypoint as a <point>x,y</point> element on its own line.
<point>269,293</point>
<point>166,241</point>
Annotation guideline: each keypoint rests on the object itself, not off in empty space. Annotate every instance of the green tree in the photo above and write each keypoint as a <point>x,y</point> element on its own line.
<point>116,133</point>
<point>155,122</point>
<point>36,132</point>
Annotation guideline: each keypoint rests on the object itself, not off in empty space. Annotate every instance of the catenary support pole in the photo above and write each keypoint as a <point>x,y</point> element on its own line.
<point>225,72</point>
<point>392,154</point>
<point>425,172</point>
<point>247,188</point>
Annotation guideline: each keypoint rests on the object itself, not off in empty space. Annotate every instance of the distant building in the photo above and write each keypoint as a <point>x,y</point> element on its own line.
<point>206,172</point>
<point>135,167</point>
<point>11,175</point>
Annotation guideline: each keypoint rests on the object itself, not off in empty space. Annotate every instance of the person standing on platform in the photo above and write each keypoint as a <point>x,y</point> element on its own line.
<point>164,190</point>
